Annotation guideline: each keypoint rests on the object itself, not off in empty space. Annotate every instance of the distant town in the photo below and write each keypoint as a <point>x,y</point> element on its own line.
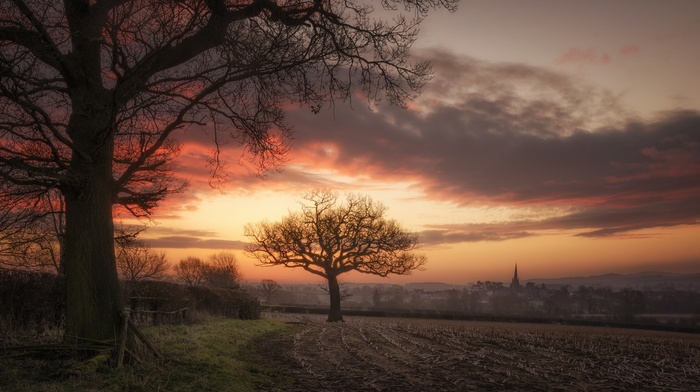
<point>656,298</point>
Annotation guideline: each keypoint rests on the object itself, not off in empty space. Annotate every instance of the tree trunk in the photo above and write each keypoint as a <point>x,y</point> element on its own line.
<point>93,299</point>
<point>334,314</point>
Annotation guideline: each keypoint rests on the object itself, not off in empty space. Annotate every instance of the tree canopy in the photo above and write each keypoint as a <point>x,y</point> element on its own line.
<point>328,238</point>
<point>93,93</point>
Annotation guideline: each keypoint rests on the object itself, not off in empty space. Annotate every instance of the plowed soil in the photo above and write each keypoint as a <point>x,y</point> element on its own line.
<point>365,354</point>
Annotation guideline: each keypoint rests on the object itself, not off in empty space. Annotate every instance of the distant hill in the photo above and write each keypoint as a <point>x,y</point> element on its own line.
<point>427,286</point>
<point>642,280</point>
<point>431,286</point>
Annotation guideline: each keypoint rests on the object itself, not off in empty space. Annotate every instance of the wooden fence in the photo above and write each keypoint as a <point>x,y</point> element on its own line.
<point>145,310</point>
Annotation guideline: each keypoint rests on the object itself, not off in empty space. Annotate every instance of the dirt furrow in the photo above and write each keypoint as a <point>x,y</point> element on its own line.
<point>376,354</point>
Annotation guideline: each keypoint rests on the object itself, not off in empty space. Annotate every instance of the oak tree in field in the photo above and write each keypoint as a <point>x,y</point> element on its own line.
<point>330,237</point>
<point>93,93</point>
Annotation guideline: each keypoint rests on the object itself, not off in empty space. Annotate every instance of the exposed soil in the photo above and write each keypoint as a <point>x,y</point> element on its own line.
<point>365,354</point>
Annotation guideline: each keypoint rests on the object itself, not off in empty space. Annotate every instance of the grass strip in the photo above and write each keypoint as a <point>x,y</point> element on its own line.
<point>218,355</point>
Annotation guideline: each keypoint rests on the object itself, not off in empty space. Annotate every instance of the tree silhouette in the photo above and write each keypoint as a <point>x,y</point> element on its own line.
<point>269,288</point>
<point>137,261</point>
<point>94,91</point>
<point>222,271</point>
<point>191,270</point>
<point>328,238</point>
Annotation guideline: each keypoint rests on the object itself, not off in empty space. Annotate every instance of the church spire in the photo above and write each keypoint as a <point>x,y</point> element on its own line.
<point>516,282</point>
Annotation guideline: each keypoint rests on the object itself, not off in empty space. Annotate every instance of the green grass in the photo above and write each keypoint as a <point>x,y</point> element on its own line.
<point>218,355</point>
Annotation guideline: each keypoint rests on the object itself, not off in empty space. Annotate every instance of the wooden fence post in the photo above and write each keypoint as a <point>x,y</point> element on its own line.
<point>123,337</point>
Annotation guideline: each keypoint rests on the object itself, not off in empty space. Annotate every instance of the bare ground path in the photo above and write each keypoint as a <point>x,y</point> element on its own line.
<point>365,354</point>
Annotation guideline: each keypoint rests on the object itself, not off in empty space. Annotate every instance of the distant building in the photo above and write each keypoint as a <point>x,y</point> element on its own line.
<point>515,284</point>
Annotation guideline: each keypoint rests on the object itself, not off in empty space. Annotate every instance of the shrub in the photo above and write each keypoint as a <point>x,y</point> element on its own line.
<point>229,303</point>
<point>168,297</point>
<point>31,301</point>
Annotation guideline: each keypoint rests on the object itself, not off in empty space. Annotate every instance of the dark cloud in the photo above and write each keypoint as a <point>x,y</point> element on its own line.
<point>470,233</point>
<point>170,231</point>
<point>508,134</point>
<point>591,222</point>
<point>186,242</point>
<point>168,237</point>
<point>620,220</point>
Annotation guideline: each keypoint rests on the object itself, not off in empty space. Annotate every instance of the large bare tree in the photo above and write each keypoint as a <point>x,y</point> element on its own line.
<point>93,92</point>
<point>329,238</point>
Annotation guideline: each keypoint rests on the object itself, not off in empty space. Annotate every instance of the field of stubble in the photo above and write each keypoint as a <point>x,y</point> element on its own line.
<point>427,355</point>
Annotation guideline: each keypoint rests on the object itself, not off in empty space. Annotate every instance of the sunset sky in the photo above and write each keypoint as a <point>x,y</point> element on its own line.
<point>560,135</point>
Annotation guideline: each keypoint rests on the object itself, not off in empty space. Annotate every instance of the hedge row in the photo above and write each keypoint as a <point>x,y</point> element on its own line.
<point>168,297</point>
<point>31,300</point>
<point>34,301</point>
